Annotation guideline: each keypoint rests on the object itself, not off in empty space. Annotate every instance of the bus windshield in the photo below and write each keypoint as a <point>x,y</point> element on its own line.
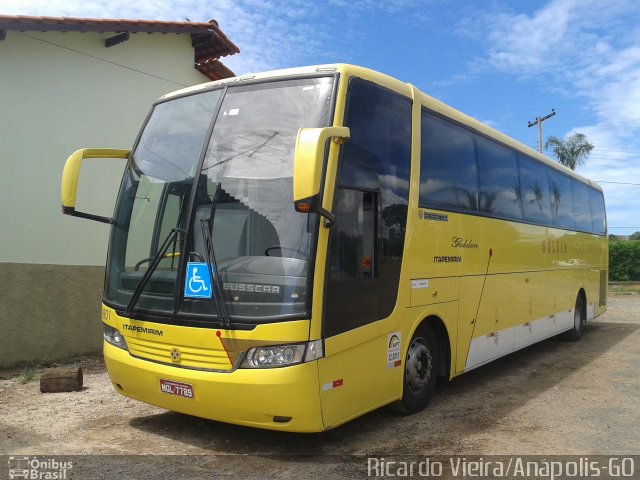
<point>234,178</point>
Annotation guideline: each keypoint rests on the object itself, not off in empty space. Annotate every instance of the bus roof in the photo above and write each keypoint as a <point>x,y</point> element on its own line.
<point>400,87</point>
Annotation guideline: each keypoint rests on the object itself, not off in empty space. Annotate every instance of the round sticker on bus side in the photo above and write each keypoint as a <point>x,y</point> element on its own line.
<point>393,350</point>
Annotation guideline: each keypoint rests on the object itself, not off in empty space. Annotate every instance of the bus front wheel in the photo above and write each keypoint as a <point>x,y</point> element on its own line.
<point>421,368</point>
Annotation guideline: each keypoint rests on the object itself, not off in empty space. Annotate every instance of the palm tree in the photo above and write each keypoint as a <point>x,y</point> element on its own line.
<point>571,152</point>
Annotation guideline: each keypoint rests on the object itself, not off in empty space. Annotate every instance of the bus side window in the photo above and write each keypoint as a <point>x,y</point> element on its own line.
<point>499,185</point>
<point>448,167</point>
<point>598,217</point>
<point>581,205</point>
<point>562,214</point>
<point>534,188</point>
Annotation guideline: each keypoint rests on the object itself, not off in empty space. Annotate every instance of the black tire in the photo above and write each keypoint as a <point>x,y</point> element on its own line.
<point>579,319</point>
<point>421,370</point>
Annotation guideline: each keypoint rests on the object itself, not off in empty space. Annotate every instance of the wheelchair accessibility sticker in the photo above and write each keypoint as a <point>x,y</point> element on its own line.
<point>198,281</point>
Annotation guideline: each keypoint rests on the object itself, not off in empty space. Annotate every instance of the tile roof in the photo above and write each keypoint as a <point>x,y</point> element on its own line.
<point>209,42</point>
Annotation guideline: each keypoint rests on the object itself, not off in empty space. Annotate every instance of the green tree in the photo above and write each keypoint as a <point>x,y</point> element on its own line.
<point>571,152</point>
<point>635,236</point>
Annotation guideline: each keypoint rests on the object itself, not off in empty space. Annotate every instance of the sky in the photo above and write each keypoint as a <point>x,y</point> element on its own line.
<point>504,62</point>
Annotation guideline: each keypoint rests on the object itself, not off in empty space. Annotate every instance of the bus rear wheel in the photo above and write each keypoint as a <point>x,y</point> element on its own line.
<point>579,319</point>
<point>421,367</point>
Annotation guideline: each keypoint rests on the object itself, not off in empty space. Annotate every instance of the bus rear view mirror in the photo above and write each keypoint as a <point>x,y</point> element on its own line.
<point>308,161</point>
<point>71,175</point>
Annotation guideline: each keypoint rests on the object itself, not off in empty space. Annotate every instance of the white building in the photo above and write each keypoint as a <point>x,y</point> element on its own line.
<point>69,83</point>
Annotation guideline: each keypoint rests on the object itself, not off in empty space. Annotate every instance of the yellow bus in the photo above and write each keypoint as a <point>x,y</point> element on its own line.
<point>291,250</point>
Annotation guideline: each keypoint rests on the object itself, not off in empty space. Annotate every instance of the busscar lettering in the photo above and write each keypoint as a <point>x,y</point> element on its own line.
<point>447,259</point>
<point>150,331</point>
<point>250,287</point>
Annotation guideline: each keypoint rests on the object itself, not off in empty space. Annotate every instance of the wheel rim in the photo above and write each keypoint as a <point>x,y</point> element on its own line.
<point>418,365</point>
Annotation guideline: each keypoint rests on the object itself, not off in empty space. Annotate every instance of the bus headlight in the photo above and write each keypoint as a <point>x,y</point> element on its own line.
<point>112,336</point>
<point>282,355</point>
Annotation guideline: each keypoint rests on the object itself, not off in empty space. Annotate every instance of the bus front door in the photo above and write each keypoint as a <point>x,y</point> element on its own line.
<point>353,373</point>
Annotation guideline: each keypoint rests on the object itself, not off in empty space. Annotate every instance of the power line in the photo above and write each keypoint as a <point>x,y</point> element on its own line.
<point>614,150</point>
<point>618,183</point>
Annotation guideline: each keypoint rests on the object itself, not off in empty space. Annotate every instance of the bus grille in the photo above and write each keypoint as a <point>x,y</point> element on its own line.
<point>209,359</point>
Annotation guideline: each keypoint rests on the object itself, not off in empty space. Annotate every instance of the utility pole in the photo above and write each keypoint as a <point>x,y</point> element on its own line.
<point>538,122</point>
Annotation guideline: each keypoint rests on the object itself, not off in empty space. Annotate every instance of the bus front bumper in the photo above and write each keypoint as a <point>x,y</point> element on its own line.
<point>277,398</point>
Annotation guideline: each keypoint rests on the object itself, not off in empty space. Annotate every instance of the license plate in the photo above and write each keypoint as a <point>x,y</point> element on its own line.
<point>176,388</point>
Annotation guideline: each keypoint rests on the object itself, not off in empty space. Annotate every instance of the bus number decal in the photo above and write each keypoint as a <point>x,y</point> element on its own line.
<point>420,283</point>
<point>393,350</point>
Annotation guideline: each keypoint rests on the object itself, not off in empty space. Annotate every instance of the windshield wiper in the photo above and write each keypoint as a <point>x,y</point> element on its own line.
<point>249,152</point>
<point>212,263</point>
<point>152,268</point>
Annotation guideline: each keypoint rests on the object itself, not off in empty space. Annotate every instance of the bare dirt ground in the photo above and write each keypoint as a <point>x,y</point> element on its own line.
<point>554,398</point>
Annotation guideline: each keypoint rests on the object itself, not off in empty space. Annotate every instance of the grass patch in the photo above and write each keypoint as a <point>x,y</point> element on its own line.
<point>30,374</point>
<point>624,288</point>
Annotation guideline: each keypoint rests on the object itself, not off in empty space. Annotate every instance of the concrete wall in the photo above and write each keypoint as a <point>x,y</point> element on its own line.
<point>49,312</point>
<point>60,92</point>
